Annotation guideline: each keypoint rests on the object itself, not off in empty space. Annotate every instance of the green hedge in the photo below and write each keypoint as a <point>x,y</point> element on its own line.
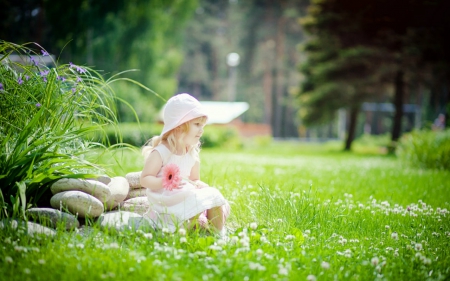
<point>426,149</point>
<point>137,134</point>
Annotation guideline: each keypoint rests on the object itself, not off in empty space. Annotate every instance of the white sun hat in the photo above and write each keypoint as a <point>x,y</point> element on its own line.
<point>180,109</point>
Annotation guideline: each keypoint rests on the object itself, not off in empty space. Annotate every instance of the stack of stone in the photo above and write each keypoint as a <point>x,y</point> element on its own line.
<point>117,202</point>
<point>89,198</point>
<point>136,201</point>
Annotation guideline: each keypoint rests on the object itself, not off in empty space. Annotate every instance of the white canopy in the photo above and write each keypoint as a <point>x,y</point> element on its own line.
<point>221,112</point>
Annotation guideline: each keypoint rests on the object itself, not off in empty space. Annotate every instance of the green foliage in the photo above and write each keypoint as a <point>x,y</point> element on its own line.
<point>44,113</point>
<point>220,136</point>
<point>135,134</point>
<point>426,149</point>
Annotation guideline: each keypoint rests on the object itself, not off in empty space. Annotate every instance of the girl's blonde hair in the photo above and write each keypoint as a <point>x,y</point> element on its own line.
<point>172,139</point>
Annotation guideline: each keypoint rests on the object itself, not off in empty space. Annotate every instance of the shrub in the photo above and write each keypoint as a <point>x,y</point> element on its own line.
<point>220,136</point>
<point>44,114</point>
<point>135,134</point>
<point>426,149</point>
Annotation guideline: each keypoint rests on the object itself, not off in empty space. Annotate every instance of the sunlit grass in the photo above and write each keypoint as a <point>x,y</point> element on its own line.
<point>299,212</point>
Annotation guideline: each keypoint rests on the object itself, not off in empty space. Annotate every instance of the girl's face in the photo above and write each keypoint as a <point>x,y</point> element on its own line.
<point>195,131</point>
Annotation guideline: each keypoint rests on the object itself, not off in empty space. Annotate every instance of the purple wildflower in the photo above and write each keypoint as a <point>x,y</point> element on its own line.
<point>1,86</point>
<point>44,53</point>
<point>27,77</point>
<point>38,105</point>
<point>63,78</point>
<point>80,70</point>
<point>19,80</point>
<point>79,79</point>
<point>74,90</point>
<point>70,64</point>
<point>33,61</point>
<point>44,78</point>
<point>44,73</point>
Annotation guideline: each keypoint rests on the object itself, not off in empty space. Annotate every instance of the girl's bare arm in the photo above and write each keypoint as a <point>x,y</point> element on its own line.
<point>152,166</point>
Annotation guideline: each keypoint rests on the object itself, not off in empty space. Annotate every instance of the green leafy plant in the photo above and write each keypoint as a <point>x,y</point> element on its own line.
<point>426,149</point>
<point>45,110</point>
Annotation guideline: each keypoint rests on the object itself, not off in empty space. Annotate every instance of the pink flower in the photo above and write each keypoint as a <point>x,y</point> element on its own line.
<point>171,177</point>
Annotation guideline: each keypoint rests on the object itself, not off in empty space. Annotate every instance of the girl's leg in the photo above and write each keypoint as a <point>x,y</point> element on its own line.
<point>215,216</point>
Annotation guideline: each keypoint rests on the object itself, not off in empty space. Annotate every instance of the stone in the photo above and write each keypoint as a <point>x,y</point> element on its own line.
<point>138,205</point>
<point>78,203</point>
<point>52,218</point>
<point>134,179</point>
<point>103,179</point>
<point>95,188</point>
<point>30,228</point>
<point>121,220</point>
<point>119,188</point>
<point>138,192</point>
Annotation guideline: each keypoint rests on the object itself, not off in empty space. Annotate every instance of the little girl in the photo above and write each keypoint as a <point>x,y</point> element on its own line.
<point>192,200</point>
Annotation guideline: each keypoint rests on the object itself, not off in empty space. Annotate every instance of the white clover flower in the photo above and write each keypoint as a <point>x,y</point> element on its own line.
<point>183,240</point>
<point>234,240</point>
<point>182,231</point>
<point>253,225</point>
<point>348,253</point>
<point>418,247</point>
<point>165,230</point>
<point>263,239</point>
<point>394,235</point>
<point>221,242</point>
<point>289,237</point>
<point>283,271</point>
<point>311,277</point>
<point>215,248</point>
<point>342,241</point>
<point>325,265</point>
<point>387,226</point>
<point>375,261</point>
<point>148,235</point>
<point>8,259</point>
<point>245,242</point>
<point>26,271</point>
<point>259,252</point>
<point>256,266</point>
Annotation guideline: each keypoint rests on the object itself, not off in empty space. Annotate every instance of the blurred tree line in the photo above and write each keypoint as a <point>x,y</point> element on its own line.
<point>350,52</point>
<point>375,50</point>
<point>177,46</point>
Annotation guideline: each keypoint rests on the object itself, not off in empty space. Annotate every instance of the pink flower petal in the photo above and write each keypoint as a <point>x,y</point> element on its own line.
<point>171,176</point>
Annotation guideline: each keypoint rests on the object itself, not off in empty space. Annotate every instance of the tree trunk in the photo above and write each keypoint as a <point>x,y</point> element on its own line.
<point>398,104</point>
<point>279,77</point>
<point>351,128</point>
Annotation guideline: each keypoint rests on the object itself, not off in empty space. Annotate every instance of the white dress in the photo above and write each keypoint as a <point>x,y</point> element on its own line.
<point>170,208</point>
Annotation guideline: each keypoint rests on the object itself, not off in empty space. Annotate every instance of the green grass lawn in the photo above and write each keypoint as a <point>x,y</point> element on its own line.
<point>299,212</point>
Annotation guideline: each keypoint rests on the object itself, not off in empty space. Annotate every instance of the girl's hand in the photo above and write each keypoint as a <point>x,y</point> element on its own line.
<point>199,184</point>
<point>181,185</point>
